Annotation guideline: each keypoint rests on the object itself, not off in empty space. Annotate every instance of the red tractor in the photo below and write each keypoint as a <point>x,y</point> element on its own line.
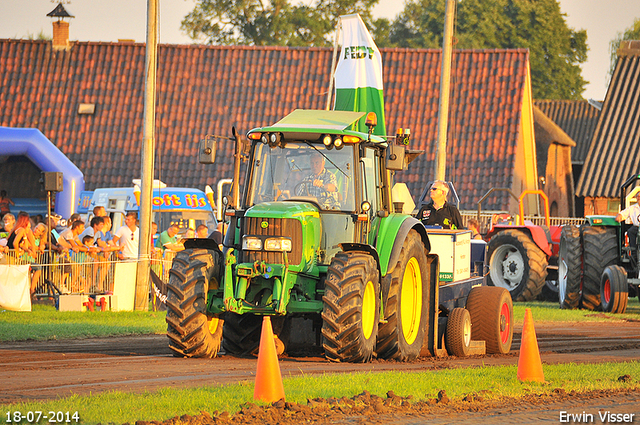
<point>522,256</point>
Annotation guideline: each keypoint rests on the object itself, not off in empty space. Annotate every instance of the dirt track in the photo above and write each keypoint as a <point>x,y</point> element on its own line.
<point>51,369</point>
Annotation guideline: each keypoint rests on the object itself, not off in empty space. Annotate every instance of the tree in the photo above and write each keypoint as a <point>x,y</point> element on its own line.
<point>555,50</point>
<point>274,22</point>
<point>631,33</point>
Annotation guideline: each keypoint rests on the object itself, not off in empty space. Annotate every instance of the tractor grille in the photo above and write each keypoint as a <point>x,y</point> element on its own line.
<point>277,227</point>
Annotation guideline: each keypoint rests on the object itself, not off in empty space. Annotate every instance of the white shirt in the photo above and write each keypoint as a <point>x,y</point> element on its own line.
<point>632,212</point>
<point>129,241</point>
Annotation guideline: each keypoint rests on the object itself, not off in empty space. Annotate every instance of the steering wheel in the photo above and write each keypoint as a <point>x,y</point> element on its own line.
<point>305,192</point>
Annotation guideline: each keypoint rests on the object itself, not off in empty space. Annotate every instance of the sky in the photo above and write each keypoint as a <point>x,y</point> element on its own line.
<point>110,20</point>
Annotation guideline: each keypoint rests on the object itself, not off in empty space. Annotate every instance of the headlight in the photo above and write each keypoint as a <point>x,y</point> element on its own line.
<point>277,244</point>
<point>251,243</point>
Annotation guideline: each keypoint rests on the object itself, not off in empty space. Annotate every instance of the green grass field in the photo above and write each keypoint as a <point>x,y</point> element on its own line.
<point>45,322</point>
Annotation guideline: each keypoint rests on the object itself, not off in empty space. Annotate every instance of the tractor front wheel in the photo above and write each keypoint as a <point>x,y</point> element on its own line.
<point>351,307</point>
<point>491,311</point>
<point>614,290</point>
<point>191,331</point>
<point>570,267</point>
<point>517,264</point>
<point>406,306</point>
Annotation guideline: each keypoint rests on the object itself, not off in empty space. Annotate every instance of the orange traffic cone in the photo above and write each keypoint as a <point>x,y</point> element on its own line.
<point>529,363</point>
<point>268,379</point>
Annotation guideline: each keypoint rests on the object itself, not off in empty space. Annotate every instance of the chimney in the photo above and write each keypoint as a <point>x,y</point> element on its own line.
<point>60,27</point>
<point>60,35</point>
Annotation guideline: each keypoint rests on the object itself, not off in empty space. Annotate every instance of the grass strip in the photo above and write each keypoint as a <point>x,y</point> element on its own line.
<point>492,382</point>
<point>46,323</point>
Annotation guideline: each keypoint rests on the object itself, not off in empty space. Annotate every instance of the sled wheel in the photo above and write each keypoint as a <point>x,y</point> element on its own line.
<point>491,311</point>
<point>458,333</point>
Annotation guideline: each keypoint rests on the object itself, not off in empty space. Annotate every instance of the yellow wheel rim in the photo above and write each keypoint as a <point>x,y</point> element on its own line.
<point>411,300</point>
<point>213,322</point>
<point>368,309</point>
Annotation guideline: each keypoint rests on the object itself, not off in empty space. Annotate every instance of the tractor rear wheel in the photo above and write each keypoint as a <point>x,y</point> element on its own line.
<point>517,264</point>
<point>351,307</point>
<point>570,267</point>
<point>600,250</point>
<point>458,333</point>
<point>491,311</point>
<point>402,333</point>
<point>614,290</point>
<point>191,331</point>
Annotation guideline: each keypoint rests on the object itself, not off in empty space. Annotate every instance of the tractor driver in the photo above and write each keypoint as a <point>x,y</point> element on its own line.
<point>438,212</point>
<point>632,212</point>
<point>321,184</point>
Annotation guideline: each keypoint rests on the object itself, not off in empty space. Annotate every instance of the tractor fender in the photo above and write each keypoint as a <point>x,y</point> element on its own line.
<point>536,233</point>
<point>395,228</point>
<point>362,247</point>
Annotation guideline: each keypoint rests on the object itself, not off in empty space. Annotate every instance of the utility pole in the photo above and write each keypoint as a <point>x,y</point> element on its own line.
<point>148,153</point>
<point>445,80</point>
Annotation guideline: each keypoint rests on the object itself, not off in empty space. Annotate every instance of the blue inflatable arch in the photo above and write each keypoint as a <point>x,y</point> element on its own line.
<point>31,143</point>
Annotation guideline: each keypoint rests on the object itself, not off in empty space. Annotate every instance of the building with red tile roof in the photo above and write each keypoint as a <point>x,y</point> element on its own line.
<point>88,100</point>
<point>613,154</point>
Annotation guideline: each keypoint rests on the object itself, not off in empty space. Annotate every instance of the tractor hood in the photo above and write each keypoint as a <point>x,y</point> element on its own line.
<point>283,209</point>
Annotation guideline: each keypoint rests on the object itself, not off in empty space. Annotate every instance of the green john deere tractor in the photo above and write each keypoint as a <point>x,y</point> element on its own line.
<point>330,261</point>
<point>597,267</point>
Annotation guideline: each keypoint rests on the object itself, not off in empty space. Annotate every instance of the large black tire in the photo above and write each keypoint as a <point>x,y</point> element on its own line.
<point>491,311</point>
<point>458,333</point>
<point>402,333</point>
<point>517,264</point>
<point>351,307</point>
<point>570,267</point>
<point>242,333</point>
<point>191,331</point>
<point>600,249</point>
<point>614,290</point>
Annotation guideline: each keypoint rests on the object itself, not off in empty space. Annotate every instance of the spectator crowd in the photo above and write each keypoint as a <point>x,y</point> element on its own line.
<point>80,254</point>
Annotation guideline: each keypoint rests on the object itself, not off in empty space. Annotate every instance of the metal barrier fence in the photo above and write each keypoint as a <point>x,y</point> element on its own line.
<point>486,217</point>
<point>80,273</point>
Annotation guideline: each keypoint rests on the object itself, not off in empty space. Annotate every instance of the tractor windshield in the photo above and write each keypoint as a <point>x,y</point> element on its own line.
<point>303,171</point>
